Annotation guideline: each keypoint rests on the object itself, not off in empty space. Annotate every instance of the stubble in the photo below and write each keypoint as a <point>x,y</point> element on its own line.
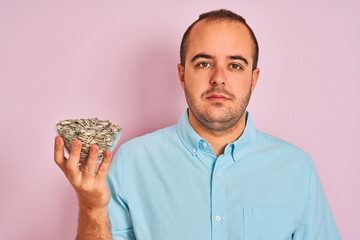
<point>227,117</point>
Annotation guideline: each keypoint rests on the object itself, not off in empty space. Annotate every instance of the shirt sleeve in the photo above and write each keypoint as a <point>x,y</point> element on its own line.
<point>318,222</point>
<point>121,226</point>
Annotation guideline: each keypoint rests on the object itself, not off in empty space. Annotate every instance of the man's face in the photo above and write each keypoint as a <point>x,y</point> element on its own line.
<point>218,78</point>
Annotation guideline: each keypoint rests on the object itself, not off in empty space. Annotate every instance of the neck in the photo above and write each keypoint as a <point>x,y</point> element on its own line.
<point>218,139</point>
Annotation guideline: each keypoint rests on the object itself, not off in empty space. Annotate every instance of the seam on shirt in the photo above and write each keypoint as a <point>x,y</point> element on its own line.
<point>181,140</point>
<point>121,192</point>
<point>123,180</point>
<point>307,188</point>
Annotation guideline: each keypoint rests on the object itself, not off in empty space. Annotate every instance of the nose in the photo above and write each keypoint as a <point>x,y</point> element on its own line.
<point>218,77</point>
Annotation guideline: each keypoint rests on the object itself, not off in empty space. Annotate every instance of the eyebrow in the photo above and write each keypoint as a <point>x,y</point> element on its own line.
<point>236,57</point>
<point>200,55</point>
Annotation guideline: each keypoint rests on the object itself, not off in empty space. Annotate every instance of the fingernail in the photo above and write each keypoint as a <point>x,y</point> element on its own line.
<point>76,145</point>
<point>57,142</point>
<point>93,149</point>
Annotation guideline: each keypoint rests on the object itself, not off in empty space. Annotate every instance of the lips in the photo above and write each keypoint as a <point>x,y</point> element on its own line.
<point>217,97</point>
<point>218,94</point>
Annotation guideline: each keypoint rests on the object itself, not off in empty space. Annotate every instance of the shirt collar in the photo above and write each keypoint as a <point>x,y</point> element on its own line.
<point>193,141</point>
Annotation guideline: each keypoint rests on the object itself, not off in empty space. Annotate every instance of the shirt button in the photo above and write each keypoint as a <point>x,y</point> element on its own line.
<point>236,156</point>
<point>217,175</point>
<point>204,144</point>
<point>218,218</point>
<point>194,150</point>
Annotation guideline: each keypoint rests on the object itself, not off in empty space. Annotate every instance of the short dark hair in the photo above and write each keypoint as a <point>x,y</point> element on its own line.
<point>218,15</point>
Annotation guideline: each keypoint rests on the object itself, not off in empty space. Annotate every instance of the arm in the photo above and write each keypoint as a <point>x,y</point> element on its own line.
<point>318,222</point>
<point>93,224</point>
<point>89,182</point>
<point>119,211</point>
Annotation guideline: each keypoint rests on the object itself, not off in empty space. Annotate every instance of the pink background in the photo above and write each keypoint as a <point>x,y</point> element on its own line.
<point>117,61</point>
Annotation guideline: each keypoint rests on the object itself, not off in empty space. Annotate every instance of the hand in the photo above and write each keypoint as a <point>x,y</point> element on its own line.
<point>88,180</point>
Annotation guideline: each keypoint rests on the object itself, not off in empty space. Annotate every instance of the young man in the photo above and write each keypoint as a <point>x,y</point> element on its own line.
<point>211,176</point>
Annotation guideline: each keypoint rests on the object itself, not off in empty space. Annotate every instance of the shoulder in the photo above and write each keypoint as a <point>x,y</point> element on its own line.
<point>280,147</point>
<point>148,143</point>
<point>141,154</point>
<point>157,137</point>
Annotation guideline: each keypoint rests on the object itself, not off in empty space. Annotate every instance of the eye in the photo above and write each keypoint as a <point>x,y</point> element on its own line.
<point>236,66</point>
<point>203,65</point>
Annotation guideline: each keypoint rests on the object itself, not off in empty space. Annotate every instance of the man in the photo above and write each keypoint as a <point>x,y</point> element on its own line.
<point>211,176</point>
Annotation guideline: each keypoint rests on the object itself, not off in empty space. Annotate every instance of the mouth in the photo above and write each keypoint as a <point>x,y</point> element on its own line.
<point>217,97</point>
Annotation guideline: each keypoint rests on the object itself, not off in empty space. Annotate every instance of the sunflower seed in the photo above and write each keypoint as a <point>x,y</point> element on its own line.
<point>88,131</point>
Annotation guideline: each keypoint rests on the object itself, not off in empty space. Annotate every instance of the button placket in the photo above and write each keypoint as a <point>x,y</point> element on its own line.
<point>218,199</point>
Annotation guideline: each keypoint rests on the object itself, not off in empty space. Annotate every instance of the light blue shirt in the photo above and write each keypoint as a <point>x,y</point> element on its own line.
<point>169,185</point>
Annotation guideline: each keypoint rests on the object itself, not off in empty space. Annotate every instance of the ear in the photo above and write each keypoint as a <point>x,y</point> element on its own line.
<point>181,73</point>
<point>255,77</point>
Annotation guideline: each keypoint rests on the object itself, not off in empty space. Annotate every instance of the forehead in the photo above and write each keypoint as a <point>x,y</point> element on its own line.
<point>220,38</point>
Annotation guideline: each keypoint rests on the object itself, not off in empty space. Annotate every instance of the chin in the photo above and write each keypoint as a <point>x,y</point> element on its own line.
<point>218,116</point>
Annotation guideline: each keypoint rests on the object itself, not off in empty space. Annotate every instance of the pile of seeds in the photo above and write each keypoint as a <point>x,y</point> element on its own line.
<point>88,131</point>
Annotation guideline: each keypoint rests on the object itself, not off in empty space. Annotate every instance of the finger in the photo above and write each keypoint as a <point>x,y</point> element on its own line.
<point>89,169</point>
<point>59,158</point>
<point>72,164</point>
<point>104,166</point>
